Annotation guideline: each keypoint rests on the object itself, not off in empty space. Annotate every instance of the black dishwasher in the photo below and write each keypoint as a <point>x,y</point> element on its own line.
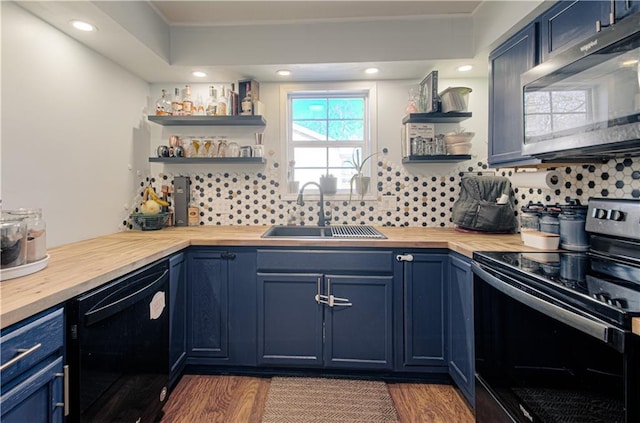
<point>118,348</point>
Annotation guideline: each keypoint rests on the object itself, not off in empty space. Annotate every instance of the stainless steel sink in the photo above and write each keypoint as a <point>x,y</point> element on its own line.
<point>319,232</point>
<point>297,232</point>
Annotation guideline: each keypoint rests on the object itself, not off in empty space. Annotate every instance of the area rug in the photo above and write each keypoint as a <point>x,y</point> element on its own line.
<point>324,400</point>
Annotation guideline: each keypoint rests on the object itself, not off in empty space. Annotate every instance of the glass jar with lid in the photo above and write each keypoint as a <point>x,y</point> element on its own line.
<point>13,233</point>
<point>36,231</point>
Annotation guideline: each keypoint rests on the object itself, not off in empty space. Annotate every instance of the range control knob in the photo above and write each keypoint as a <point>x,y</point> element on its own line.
<point>617,215</point>
<point>600,213</point>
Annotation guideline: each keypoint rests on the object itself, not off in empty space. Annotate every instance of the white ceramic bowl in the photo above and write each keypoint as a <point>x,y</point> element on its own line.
<point>541,240</point>
<point>463,148</point>
<point>460,138</point>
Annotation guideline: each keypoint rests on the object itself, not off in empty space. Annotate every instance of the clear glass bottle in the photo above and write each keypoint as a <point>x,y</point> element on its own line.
<point>187,102</point>
<point>176,103</point>
<point>233,101</point>
<point>198,106</point>
<point>163,105</point>
<point>222,103</point>
<point>247,102</point>
<point>212,102</point>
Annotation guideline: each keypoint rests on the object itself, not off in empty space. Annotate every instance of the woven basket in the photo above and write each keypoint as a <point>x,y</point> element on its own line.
<point>148,222</point>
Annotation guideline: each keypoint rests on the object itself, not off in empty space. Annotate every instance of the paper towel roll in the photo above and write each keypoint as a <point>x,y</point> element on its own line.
<point>549,179</point>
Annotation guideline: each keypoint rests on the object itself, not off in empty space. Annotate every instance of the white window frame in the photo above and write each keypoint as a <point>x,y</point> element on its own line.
<point>370,132</point>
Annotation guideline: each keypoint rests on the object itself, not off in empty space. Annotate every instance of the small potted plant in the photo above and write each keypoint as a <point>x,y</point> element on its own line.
<point>329,184</point>
<point>359,180</point>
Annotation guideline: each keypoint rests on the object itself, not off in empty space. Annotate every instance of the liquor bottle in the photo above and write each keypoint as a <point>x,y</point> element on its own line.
<point>187,102</point>
<point>212,102</point>
<point>198,106</point>
<point>222,104</point>
<point>163,105</point>
<point>233,101</point>
<point>176,103</point>
<point>247,102</point>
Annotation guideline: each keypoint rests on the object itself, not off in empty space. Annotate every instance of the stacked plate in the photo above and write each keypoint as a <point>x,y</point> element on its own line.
<point>458,143</point>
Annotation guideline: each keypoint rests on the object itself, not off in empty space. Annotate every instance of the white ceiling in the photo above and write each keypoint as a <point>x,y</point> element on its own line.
<point>164,41</point>
<point>241,12</point>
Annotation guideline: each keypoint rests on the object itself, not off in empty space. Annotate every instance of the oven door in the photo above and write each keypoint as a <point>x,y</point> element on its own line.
<point>539,360</point>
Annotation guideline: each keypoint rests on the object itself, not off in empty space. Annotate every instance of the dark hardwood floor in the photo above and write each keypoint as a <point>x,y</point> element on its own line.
<point>241,399</point>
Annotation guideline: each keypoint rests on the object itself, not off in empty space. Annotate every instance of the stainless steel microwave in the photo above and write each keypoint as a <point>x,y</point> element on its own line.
<point>584,103</point>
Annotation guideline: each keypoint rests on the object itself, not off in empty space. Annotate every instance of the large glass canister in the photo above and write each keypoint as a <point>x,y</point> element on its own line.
<point>36,231</point>
<point>13,234</point>
<point>530,217</point>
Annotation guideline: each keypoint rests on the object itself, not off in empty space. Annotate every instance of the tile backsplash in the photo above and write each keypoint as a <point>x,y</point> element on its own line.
<point>422,200</point>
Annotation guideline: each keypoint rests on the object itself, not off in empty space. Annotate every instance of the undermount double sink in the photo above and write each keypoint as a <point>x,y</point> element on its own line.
<point>323,232</point>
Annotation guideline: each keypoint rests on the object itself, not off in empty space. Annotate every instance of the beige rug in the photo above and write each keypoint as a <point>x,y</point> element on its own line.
<point>324,400</point>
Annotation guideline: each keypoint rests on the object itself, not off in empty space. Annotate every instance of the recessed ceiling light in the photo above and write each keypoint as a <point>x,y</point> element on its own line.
<point>465,68</point>
<point>199,74</point>
<point>283,72</point>
<point>83,26</point>
<point>371,70</point>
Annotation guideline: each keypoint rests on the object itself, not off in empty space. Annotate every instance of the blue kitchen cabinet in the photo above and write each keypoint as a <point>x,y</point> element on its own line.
<point>507,63</point>
<point>354,330</point>
<point>221,306</point>
<point>32,374</point>
<point>568,22</point>
<point>208,303</point>
<point>625,8</point>
<point>461,355</point>
<point>290,321</point>
<point>177,315</point>
<point>423,312</point>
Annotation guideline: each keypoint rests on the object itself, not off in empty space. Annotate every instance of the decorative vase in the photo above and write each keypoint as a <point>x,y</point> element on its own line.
<point>329,184</point>
<point>362,184</point>
<point>293,186</point>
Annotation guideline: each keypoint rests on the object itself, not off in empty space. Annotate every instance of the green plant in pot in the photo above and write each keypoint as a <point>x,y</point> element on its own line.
<point>359,180</point>
<point>329,184</point>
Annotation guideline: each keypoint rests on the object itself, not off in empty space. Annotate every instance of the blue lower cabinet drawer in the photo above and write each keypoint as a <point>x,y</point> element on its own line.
<point>25,344</point>
<point>310,260</point>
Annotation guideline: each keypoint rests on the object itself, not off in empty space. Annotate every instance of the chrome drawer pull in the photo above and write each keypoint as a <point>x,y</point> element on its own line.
<point>65,382</point>
<point>23,353</point>
<point>404,257</point>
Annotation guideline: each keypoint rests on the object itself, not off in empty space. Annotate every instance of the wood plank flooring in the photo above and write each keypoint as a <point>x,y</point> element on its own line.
<point>241,399</point>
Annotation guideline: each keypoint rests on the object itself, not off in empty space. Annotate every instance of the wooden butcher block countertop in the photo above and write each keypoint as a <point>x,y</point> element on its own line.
<point>80,266</point>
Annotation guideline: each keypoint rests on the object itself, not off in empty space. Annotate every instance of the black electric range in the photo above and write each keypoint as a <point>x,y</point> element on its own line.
<point>606,289</point>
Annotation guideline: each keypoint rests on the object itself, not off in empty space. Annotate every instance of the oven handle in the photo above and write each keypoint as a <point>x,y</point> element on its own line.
<point>596,329</point>
<point>116,306</point>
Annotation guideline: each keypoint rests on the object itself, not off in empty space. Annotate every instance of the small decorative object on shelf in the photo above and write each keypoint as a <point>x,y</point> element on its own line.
<point>163,105</point>
<point>429,100</point>
<point>329,184</point>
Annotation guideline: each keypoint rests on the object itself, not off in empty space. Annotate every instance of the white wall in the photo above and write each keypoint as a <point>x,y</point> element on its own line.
<point>72,125</point>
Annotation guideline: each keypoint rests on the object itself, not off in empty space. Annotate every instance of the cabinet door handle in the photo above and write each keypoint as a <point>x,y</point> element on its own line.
<point>65,382</point>
<point>404,257</point>
<point>336,301</point>
<point>22,354</point>
<point>320,299</point>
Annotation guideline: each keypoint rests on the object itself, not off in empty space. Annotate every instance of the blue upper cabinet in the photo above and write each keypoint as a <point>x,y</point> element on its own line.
<point>569,22</point>
<point>507,62</point>
<point>625,8</point>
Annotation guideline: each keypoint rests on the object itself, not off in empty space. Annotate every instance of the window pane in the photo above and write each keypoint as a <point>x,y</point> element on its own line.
<point>309,108</point>
<point>537,102</point>
<point>537,125</point>
<point>569,101</point>
<point>309,130</point>
<point>568,121</point>
<point>348,130</point>
<point>310,157</point>
<point>339,156</point>
<point>309,175</point>
<point>346,108</point>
